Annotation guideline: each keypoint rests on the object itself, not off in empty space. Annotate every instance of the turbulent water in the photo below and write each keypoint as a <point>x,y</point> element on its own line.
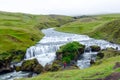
<point>44,51</point>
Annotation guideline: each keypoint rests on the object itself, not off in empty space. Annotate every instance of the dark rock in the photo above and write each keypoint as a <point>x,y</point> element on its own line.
<point>6,70</point>
<point>100,55</point>
<point>107,53</point>
<point>88,49</point>
<point>5,66</point>
<point>30,74</point>
<point>117,65</point>
<point>47,67</point>
<point>17,68</point>
<point>92,61</point>
<point>38,69</point>
<point>95,48</point>
<point>59,55</point>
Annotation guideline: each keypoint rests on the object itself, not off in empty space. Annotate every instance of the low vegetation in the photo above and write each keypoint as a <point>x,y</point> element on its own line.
<point>97,71</point>
<point>101,27</point>
<point>19,31</point>
<point>70,51</point>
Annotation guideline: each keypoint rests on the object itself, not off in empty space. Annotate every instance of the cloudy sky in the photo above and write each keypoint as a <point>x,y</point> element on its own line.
<point>64,7</point>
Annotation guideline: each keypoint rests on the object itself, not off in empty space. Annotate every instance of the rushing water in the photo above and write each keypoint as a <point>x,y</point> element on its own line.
<point>44,51</point>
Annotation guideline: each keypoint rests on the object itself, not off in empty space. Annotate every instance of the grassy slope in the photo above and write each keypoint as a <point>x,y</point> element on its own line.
<point>87,26</point>
<point>95,26</point>
<point>92,73</point>
<point>19,31</point>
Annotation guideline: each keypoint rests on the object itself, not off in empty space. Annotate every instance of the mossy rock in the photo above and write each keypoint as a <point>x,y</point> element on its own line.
<point>70,51</point>
<point>107,53</point>
<point>95,48</point>
<point>55,66</point>
<point>18,68</point>
<point>32,66</point>
<point>38,69</point>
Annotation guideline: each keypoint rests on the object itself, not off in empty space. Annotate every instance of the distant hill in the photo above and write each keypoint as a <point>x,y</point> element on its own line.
<point>109,31</point>
<point>105,26</point>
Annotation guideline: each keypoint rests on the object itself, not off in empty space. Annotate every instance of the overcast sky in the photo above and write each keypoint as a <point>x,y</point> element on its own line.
<point>63,7</point>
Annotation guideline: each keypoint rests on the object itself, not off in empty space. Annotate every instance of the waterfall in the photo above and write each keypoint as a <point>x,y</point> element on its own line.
<point>44,51</point>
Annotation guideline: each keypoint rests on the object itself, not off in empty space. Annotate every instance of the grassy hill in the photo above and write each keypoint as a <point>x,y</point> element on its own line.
<point>19,31</point>
<point>100,26</point>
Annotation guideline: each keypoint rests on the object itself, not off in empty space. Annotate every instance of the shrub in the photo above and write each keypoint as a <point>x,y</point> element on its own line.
<point>70,51</point>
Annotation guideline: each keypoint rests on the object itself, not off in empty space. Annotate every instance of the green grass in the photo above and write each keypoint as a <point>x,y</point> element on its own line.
<point>96,71</point>
<point>98,26</point>
<point>19,31</point>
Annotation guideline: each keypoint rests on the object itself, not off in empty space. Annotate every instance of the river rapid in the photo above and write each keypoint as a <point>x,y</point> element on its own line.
<point>44,51</point>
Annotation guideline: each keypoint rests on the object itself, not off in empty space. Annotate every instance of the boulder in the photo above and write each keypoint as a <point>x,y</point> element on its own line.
<point>95,48</point>
<point>70,51</point>
<point>32,66</point>
<point>107,53</point>
<point>5,66</point>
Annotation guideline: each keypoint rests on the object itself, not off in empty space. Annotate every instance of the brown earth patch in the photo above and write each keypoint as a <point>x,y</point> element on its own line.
<point>113,76</point>
<point>12,38</point>
<point>117,65</point>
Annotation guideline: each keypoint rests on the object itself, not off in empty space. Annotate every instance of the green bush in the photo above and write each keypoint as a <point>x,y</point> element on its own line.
<point>70,51</point>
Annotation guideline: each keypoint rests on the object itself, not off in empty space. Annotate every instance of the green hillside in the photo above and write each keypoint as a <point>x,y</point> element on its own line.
<point>19,31</point>
<point>100,27</point>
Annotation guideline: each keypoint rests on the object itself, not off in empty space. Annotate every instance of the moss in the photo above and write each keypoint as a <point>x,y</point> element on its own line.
<point>70,51</point>
<point>32,66</point>
<point>110,52</point>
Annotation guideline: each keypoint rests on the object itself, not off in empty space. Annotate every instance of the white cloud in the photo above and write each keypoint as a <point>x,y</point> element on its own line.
<point>66,7</point>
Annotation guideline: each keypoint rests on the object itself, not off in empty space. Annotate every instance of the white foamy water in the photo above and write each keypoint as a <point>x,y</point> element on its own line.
<point>44,51</point>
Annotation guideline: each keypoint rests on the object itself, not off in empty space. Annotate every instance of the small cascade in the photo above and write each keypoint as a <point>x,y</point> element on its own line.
<point>86,57</point>
<point>44,51</point>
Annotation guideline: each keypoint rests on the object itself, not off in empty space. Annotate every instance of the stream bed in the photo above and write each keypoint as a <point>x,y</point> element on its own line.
<point>44,51</point>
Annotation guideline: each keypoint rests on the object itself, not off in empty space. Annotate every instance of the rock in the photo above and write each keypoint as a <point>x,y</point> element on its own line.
<point>88,49</point>
<point>47,67</point>
<point>100,55</point>
<point>5,66</point>
<point>107,53</point>
<point>95,48</point>
<point>38,69</point>
<point>70,51</point>
<point>92,61</point>
<point>6,70</point>
<point>32,66</point>
<point>17,68</point>
<point>117,65</point>
<point>55,67</point>
<point>59,55</point>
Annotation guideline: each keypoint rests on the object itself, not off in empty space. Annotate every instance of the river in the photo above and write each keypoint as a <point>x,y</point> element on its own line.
<point>44,51</point>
